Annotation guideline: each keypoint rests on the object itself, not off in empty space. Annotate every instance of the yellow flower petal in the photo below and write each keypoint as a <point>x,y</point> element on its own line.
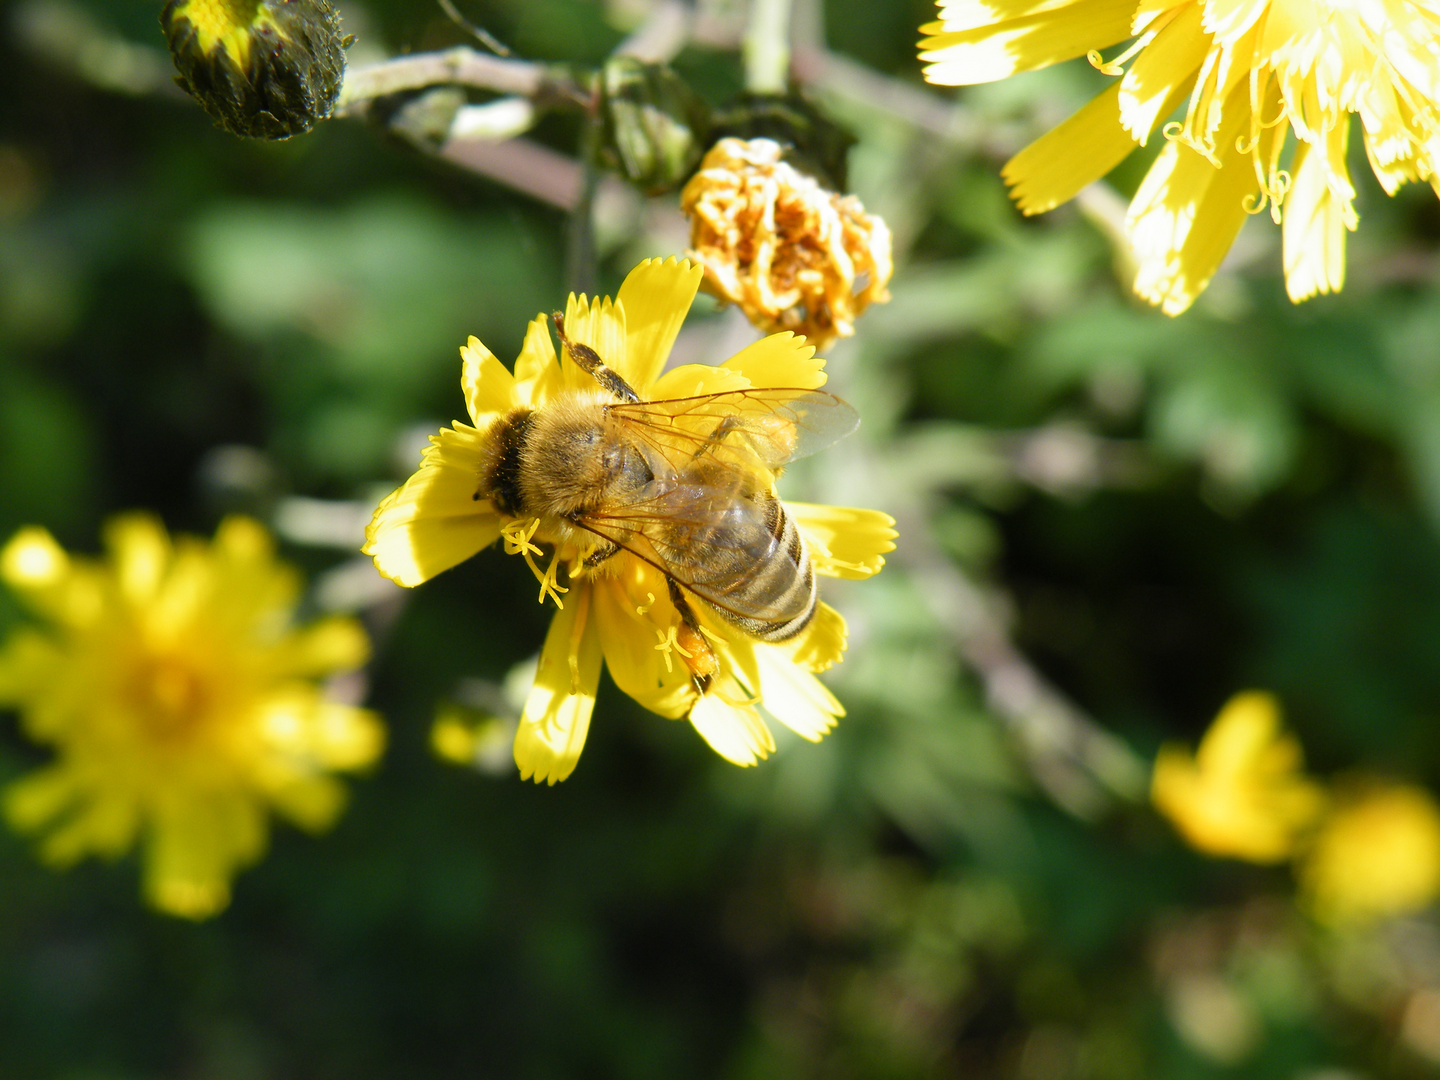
<point>178,709</point>
<point>334,644</point>
<point>637,667</point>
<point>105,825</point>
<point>33,560</point>
<point>346,737</point>
<point>735,732</point>
<point>1243,794</point>
<point>489,388</point>
<point>1053,168</point>
<point>844,541</point>
<point>193,853</point>
<point>1229,18</point>
<point>1026,42</point>
<point>1377,855</point>
<point>957,15</point>
<point>301,726</point>
<point>537,369</point>
<point>1187,213</point>
<point>241,538</point>
<point>1162,75</point>
<point>793,696</point>
<point>140,549</point>
<point>783,359</point>
<point>691,380</point>
<point>28,664</point>
<point>1318,212</point>
<point>33,801</point>
<point>557,712</point>
<point>656,296</point>
<point>599,323</point>
<point>311,802</point>
<point>821,645</point>
<point>433,521</point>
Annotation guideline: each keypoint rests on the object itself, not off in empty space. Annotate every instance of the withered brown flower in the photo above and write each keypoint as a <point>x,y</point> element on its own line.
<point>793,255</point>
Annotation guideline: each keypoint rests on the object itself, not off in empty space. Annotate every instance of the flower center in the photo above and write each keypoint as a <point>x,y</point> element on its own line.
<point>167,694</point>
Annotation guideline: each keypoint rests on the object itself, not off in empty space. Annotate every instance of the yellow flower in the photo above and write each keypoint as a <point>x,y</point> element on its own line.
<point>620,610</point>
<point>1377,854</point>
<point>180,703</point>
<point>1243,793</point>
<point>1250,73</point>
<point>792,255</point>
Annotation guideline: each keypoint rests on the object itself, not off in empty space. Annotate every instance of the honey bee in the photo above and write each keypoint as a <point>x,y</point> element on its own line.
<point>684,484</point>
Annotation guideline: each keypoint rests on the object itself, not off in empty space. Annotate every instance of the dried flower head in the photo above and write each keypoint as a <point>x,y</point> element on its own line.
<point>791,254</point>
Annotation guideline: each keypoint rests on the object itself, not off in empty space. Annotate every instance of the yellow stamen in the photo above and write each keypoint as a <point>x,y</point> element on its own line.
<point>669,641</point>
<point>517,535</point>
<point>519,540</point>
<point>644,609</point>
<point>549,582</point>
<point>1176,132</point>
<point>1115,67</point>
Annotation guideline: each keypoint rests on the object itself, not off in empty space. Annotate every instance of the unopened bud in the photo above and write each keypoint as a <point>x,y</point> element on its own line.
<point>654,124</point>
<point>264,69</point>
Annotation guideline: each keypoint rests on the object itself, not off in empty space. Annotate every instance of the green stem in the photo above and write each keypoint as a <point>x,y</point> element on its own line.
<point>767,47</point>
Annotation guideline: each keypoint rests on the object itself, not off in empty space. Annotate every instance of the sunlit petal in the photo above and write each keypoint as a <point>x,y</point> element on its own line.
<point>557,712</point>
<point>844,541</point>
<point>434,521</point>
<point>656,296</point>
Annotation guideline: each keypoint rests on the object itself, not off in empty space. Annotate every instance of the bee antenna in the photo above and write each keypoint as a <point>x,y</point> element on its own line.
<point>478,32</point>
<point>588,360</point>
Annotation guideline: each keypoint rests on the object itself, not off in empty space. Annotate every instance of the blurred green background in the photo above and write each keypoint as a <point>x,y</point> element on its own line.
<point>1111,521</point>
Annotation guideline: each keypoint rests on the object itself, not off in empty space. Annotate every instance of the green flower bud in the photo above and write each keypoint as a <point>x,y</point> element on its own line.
<point>264,69</point>
<point>654,125</point>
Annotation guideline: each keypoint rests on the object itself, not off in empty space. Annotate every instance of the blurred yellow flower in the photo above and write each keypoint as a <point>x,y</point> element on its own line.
<point>792,255</point>
<point>620,610</point>
<point>1250,73</point>
<point>1243,793</point>
<point>1376,854</point>
<point>181,704</point>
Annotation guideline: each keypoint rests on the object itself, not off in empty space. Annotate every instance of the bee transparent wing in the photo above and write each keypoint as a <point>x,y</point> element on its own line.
<point>710,538</point>
<point>743,428</point>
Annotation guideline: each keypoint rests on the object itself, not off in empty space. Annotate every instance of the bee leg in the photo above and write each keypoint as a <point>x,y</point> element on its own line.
<point>725,427</point>
<point>704,665</point>
<point>603,550</point>
<point>587,359</point>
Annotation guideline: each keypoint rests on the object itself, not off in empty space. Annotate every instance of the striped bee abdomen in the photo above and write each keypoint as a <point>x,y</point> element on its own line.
<point>764,582</point>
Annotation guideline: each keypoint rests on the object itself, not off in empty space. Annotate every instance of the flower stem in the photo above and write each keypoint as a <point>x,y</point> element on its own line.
<point>767,47</point>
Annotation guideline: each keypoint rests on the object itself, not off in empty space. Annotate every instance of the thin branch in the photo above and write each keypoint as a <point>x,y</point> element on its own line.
<point>526,166</point>
<point>460,66</point>
<point>767,47</point>
<point>661,37</point>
